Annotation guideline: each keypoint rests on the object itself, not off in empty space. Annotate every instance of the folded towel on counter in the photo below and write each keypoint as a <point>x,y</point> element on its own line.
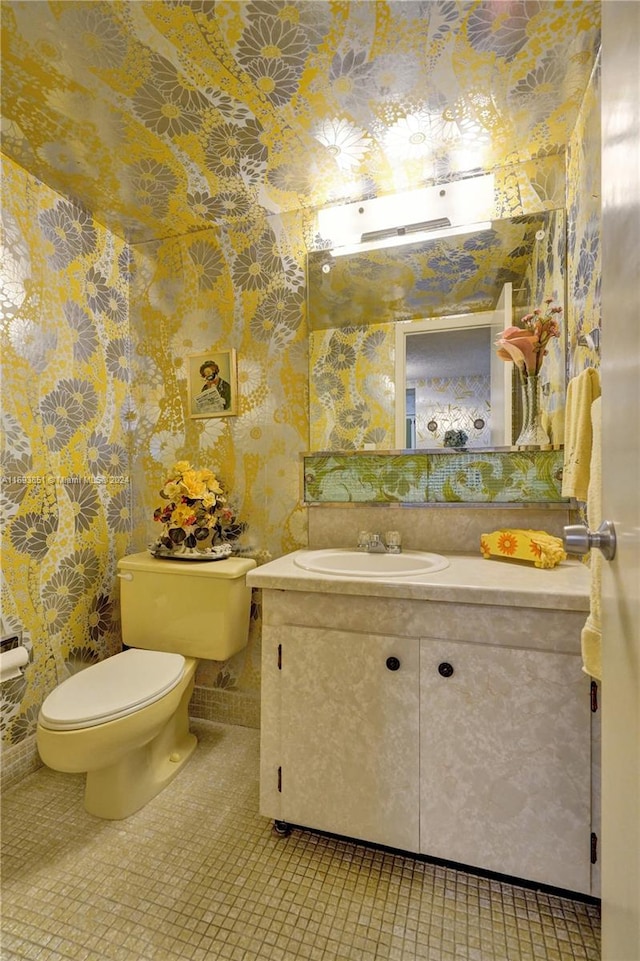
<point>581,393</point>
<point>591,637</point>
<point>536,547</point>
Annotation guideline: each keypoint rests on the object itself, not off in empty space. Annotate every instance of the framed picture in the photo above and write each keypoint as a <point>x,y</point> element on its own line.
<point>213,383</point>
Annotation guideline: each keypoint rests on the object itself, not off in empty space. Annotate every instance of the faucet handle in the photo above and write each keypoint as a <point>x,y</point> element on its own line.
<point>393,541</point>
<point>363,540</point>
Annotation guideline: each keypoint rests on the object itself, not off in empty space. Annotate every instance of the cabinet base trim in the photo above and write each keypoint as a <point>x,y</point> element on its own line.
<point>454,865</point>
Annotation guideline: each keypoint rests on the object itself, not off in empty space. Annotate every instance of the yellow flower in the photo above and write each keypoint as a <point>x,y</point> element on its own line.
<point>507,543</point>
<point>192,483</point>
<point>182,516</point>
<point>209,499</point>
<point>172,490</point>
<point>210,479</point>
<point>181,467</point>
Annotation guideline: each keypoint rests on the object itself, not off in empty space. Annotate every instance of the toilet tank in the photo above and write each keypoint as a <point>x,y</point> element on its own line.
<point>195,608</point>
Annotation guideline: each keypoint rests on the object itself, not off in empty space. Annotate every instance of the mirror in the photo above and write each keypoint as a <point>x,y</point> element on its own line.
<point>356,302</point>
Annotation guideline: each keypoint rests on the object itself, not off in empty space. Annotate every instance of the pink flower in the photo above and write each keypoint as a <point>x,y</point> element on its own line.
<point>526,346</point>
<point>519,346</point>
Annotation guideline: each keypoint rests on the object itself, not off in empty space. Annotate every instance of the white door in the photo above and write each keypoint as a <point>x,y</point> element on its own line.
<point>621,480</point>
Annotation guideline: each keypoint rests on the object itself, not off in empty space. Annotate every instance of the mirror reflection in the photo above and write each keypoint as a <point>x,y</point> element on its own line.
<point>357,389</point>
<point>448,397</point>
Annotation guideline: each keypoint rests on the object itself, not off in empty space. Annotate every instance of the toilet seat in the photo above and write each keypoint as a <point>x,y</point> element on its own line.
<point>111,689</point>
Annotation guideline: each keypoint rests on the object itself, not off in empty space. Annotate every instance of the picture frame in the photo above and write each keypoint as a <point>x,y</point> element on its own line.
<point>212,379</point>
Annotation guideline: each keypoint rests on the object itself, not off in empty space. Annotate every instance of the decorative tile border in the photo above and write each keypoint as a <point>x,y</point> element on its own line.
<point>455,477</point>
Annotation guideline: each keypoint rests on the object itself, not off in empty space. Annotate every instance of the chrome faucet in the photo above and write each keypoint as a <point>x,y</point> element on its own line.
<point>374,544</point>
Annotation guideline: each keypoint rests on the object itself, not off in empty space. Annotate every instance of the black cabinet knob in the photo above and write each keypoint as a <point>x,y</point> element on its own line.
<point>445,669</point>
<point>393,663</point>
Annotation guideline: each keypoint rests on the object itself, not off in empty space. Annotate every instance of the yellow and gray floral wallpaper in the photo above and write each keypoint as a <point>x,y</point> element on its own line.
<point>67,437</point>
<point>217,290</point>
<point>352,388</point>
<point>584,252</point>
<point>157,159</point>
<point>166,116</point>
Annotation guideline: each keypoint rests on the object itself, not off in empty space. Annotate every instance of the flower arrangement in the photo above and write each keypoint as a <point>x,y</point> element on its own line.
<point>196,509</point>
<point>526,346</point>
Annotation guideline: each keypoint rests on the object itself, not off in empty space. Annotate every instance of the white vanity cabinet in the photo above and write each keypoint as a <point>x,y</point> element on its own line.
<point>472,746</point>
<point>348,733</point>
<point>505,760</point>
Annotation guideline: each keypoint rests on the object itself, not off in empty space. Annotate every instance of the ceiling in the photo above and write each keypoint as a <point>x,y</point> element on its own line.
<point>166,117</point>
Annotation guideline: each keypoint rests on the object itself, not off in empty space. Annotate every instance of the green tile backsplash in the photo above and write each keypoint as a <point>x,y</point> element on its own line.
<point>491,477</point>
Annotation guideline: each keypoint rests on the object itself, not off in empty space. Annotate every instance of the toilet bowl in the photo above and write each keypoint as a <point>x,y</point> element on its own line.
<point>124,721</point>
<point>130,738</point>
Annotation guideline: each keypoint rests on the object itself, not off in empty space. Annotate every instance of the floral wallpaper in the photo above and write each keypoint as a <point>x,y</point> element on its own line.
<point>95,340</point>
<point>166,117</point>
<point>162,162</point>
<point>201,292</point>
<point>66,437</point>
<point>584,250</point>
<point>352,388</point>
<point>219,290</point>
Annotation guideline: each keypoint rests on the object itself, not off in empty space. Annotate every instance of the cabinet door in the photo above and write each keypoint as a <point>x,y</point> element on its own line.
<point>349,734</point>
<point>505,761</point>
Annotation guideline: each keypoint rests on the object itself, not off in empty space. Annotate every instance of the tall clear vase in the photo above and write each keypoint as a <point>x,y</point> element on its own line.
<point>532,434</point>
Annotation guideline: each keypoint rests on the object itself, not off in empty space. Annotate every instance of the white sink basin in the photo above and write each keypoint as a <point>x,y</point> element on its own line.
<point>360,564</point>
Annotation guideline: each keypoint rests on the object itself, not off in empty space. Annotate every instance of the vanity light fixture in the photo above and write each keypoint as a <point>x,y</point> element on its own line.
<point>463,206</point>
<point>390,232</point>
<point>411,234</point>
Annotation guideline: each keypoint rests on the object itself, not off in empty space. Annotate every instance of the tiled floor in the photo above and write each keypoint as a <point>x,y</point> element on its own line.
<point>198,874</point>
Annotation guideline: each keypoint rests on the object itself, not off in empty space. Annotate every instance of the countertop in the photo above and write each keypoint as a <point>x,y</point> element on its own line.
<point>469,579</point>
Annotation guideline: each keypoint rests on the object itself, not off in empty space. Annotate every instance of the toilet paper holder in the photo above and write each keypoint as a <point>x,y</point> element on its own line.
<point>14,657</point>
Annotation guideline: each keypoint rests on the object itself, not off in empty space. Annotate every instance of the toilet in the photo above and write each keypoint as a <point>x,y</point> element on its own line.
<point>124,721</point>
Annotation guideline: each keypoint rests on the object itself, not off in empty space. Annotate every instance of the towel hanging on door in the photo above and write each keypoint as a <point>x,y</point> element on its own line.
<point>578,433</point>
<point>591,637</point>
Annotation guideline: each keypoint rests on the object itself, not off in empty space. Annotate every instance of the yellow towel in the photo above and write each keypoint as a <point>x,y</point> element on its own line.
<point>591,632</point>
<point>553,426</point>
<point>581,393</point>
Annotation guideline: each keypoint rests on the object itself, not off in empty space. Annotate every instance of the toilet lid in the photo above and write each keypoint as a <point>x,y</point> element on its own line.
<point>111,688</point>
